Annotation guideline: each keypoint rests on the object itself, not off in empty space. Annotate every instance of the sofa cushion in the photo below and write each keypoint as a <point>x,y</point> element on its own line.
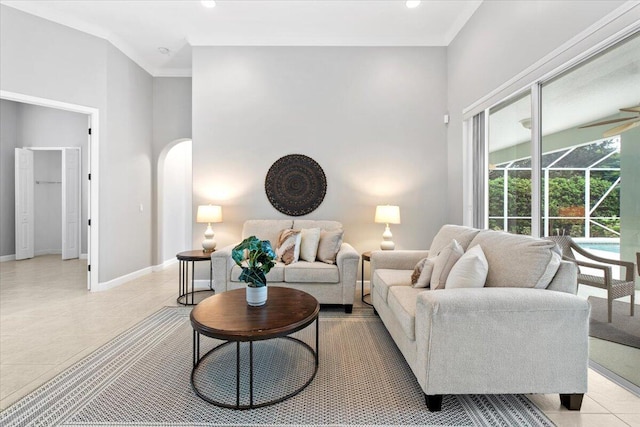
<point>299,224</point>
<point>265,229</point>
<point>329,245</point>
<point>463,235</point>
<point>470,271</point>
<point>311,272</point>
<point>383,279</point>
<point>276,274</point>
<point>309,243</point>
<point>443,263</point>
<point>402,302</point>
<point>516,260</point>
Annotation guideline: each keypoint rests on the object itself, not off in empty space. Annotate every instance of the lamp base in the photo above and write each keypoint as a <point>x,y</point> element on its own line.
<point>387,244</point>
<point>208,244</point>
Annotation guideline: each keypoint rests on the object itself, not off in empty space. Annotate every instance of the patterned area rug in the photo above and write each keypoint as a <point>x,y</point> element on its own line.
<point>142,378</point>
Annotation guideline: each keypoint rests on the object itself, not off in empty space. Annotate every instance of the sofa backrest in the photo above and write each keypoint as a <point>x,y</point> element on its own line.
<point>269,229</point>
<point>299,224</point>
<point>447,233</point>
<point>516,260</point>
<point>265,229</point>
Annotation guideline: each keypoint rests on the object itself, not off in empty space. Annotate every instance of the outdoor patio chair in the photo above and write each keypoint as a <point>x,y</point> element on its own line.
<point>616,288</point>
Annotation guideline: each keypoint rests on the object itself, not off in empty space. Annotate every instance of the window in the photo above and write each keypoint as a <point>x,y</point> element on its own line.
<point>589,148</point>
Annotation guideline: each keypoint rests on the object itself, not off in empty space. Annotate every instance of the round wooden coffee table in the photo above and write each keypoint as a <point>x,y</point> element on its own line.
<point>228,317</point>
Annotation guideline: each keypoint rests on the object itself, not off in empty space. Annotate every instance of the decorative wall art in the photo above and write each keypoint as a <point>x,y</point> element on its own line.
<point>295,185</point>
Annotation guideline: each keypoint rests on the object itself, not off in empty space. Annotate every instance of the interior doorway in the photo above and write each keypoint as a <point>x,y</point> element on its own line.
<point>91,118</point>
<point>174,200</point>
<point>48,202</point>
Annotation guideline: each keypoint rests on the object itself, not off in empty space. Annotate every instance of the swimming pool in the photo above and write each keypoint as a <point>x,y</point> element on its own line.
<point>609,247</point>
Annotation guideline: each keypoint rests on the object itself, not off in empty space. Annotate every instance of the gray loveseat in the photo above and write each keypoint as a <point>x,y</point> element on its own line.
<point>525,331</point>
<point>328,283</point>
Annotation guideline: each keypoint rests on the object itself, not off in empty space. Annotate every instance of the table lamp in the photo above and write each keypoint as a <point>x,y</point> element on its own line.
<point>387,215</point>
<point>208,214</point>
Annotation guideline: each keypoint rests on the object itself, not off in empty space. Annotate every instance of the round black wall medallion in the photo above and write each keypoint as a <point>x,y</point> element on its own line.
<point>295,184</point>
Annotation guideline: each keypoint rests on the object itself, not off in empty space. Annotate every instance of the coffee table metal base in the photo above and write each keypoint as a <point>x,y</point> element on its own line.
<point>197,361</point>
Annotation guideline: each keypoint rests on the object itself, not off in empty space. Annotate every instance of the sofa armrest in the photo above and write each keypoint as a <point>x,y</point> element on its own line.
<point>502,340</point>
<point>566,278</point>
<point>396,260</point>
<point>347,261</point>
<point>222,263</point>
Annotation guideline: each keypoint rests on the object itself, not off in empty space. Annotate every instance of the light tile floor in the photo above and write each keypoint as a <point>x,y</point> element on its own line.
<point>48,321</point>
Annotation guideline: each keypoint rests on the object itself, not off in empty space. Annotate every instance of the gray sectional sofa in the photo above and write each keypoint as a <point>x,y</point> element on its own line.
<point>525,331</point>
<point>328,283</point>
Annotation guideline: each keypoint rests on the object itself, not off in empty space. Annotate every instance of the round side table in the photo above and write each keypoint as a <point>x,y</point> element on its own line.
<point>184,258</point>
<point>366,256</point>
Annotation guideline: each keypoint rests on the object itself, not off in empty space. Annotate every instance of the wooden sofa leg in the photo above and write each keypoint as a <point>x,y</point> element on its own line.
<point>572,402</point>
<point>348,308</point>
<point>434,402</point>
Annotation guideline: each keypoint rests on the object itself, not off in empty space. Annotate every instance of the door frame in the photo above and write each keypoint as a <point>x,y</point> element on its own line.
<point>93,166</point>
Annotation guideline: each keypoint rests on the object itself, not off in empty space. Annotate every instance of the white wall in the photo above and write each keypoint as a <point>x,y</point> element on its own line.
<point>502,39</point>
<point>8,139</point>
<point>371,117</point>
<point>125,165</point>
<point>171,122</point>
<point>48,60</point>
<point>176,233</point>
<point>171,110</point>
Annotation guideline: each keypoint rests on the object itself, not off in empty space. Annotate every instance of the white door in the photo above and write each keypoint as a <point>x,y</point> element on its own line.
<point>24,183</point>
<point>70,203</point>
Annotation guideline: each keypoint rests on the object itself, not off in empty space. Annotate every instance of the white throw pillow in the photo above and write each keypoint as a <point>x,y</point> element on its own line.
<point>424,279</point>
<point>309,243</point>
<point>329,245</point>
<point>443,263</point>
<point>470,271</point>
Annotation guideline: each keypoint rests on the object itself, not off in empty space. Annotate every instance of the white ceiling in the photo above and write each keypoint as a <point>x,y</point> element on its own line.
<point>139,28</point>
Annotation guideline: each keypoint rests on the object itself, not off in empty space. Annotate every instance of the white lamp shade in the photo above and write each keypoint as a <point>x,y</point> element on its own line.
<point>387,214</point>
<point>209,213</point>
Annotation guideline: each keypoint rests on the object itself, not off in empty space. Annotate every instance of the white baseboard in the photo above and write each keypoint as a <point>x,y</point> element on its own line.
<point>48,252</point>
<point>103,286</point>
<point>5,258</point>
<point>164,265</point>
<point>13,257</point>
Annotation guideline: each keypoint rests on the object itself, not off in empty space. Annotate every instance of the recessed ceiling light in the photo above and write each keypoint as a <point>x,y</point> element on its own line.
<point>412,4</point>
<point>208,3</point>
<point>164,50</point>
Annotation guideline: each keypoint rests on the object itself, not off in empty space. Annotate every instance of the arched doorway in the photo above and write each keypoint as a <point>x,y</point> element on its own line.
<point>174,200</point>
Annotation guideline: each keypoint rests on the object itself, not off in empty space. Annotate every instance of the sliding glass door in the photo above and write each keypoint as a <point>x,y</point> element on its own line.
<point>509,166</point>
<point>578,176</point>
<point>591,123</point>
<point>562,157</point>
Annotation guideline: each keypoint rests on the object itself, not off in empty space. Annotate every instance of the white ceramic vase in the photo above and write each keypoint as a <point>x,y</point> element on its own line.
<point>256,296</point>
